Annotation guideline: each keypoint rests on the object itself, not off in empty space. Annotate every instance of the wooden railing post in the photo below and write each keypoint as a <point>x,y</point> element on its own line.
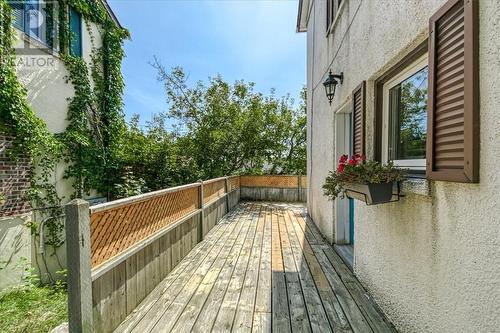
<point>202,211</point>
<point>79,266</point>
<point>226,190</point>
<point>239,189</point>
<point>299,192</point>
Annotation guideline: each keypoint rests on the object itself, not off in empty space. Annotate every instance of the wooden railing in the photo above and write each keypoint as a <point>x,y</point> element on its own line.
<point>274,188</point>
<point>116,226</point>
<point>118,252</point>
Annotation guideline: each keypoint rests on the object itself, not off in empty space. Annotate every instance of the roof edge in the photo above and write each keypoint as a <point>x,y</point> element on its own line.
<point>111,13</point>
<point>302,15</point>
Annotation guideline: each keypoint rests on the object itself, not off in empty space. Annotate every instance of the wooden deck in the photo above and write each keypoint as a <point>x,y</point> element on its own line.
<point>264,267</point>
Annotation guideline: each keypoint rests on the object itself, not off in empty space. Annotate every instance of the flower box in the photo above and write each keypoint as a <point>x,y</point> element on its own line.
<point>368,181</point>
<point>372,194</point>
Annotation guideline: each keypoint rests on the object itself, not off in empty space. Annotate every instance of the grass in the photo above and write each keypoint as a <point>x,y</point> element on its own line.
<point>32,309</point>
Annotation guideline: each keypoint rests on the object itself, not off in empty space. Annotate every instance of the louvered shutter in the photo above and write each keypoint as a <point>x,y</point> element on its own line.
<point>453,119</point>
<point>358,120</point>
<point>18,14</point>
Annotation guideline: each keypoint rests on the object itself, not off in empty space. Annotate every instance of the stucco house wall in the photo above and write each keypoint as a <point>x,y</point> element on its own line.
<point>48,94</point>
<point>15,250</point>
<point>432,260</point>
<point>48,91</point>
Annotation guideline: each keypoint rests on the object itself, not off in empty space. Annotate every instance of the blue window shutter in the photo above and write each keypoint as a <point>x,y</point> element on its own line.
<point>18,14</point>
<point>75,28</point>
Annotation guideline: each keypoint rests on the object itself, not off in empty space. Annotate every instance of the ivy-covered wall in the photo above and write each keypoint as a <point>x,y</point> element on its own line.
<point>65,119</point>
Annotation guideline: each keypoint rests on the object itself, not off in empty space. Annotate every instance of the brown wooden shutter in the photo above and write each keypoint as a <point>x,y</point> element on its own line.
<point>453,118</point>
<point>358,120</point>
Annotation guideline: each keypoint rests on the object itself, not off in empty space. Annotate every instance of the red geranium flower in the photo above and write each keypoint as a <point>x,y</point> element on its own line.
<point>358,158</point>
<point>352,162</point>
<point>340,168</point>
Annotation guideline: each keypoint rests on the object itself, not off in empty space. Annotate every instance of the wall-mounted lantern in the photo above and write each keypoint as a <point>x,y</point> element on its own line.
<point>331,84</point>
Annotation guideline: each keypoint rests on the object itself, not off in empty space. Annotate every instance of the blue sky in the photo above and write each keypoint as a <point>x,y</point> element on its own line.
<point>254,40</point>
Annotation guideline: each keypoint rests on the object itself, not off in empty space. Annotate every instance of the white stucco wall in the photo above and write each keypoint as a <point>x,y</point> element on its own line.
<point>15,250</point>
<point>319,127</point>
<point>432,262</point>
<point>44,76</point>
<point>48,91</point>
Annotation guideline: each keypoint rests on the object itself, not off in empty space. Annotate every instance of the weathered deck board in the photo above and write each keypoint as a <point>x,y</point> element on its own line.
<point>299,318</point>
<point>206,317</point>
<point>264,268</point>
<point>317,314</point>
<point>244,312</point>
<point>192,276</point>
<point>334,311</point>
<point>263,298</point>
<point>161,291</point>
<point>202,280</point>
<point>194,307</point>
<point>281,311</point>
<point>227,311</point>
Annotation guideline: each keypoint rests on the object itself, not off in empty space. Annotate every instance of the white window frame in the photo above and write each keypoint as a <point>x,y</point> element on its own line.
<point>416,66</point>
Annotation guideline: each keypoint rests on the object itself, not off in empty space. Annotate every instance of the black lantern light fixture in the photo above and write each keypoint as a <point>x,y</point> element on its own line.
<point>331,84</point>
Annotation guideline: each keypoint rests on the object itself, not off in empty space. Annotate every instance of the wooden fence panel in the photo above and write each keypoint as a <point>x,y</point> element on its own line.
<point>233,198</point>
<point>233,183</point>
<point>303,181</point>
<point>117,292</point>
<point>270,181</point>
<point>213,190</point>
<point>213,213</point>
<point>274,188</point>
<point>116,229</point>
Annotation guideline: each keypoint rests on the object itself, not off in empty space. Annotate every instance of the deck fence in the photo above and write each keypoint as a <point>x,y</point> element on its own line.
<point>118,252</point>
<point>274,188</point>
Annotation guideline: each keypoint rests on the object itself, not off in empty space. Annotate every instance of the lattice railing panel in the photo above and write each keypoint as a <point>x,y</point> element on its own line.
<point>270,181</point>
<point>233,183</point>
<point>213,190</point>
<point>117,229</point>
<point>303,181</point>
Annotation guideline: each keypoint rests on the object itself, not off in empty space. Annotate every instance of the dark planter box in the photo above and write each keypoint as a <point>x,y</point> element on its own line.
<point>372,194</point>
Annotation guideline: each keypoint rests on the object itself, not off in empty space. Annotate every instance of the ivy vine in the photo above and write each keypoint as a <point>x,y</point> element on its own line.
<point>96,120</point>
<point>92,142</point>
<point>32,138</point>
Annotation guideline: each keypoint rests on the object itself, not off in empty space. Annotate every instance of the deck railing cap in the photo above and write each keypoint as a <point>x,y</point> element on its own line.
<point>139,198</point>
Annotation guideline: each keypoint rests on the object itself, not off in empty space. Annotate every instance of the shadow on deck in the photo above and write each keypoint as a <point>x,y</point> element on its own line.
<point>264,267</point>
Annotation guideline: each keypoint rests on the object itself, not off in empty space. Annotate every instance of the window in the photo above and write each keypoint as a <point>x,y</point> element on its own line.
<point>405,116</point>
<point>75,27</point>
<point>32,18</point>
<point>37,19</point>
<point>332,8</point>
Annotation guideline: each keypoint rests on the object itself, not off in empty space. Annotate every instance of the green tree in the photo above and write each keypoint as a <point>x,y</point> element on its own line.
<point>154,155</point>
<point>230,128</point>
<point>212,129</point>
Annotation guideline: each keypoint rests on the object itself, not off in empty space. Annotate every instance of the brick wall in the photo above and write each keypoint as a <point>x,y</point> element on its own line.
<point>14,180</point>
